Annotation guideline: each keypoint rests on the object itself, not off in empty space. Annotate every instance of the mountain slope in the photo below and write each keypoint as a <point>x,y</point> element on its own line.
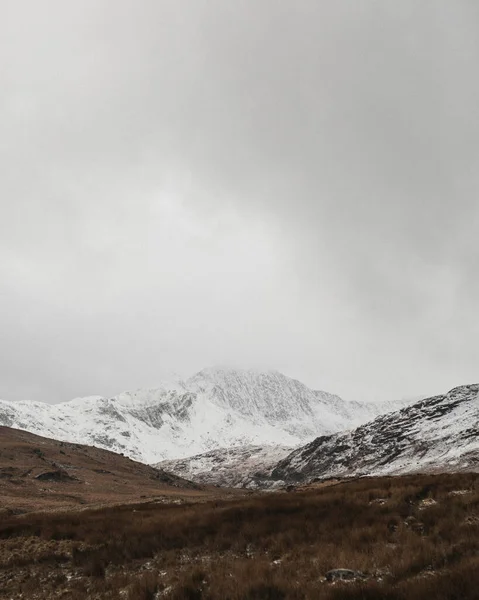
<point>435,434</point>
<point>216,408</point>
<point>244,466</point>
<point>41,473</point>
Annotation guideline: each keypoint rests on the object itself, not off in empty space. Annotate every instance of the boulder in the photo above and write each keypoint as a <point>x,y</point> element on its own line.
<point>344,575</point>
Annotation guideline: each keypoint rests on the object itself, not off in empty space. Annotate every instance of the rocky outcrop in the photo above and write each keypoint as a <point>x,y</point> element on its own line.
<point>59,475</point>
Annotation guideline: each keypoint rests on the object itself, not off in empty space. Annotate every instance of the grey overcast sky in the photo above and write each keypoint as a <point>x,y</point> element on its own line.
<point>256,183</point>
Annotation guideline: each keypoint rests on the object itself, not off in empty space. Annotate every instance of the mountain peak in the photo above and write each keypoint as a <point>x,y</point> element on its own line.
<point>218,407</point>
<point>222,371</point>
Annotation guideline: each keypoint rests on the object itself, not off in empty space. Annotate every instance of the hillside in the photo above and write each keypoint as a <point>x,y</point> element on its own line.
<point>244,467</point>
<point>40,473</point>
<point>438,434</point>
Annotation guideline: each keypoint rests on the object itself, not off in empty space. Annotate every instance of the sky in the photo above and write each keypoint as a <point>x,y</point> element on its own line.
<point>257,184</point>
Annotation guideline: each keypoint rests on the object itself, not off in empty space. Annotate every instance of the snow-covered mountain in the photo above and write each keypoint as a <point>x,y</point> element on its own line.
<point>216,408</point>
<point>435,434</point>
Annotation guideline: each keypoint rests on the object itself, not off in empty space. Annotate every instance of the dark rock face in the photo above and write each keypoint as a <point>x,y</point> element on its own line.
<point>55,475</point>
<point>438,433</point>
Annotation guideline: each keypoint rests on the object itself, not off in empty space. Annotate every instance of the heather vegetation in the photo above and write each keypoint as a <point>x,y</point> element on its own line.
<point>407,538</point>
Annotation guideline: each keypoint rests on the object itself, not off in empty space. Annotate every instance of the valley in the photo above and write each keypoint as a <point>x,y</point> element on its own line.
<point>386,510</point>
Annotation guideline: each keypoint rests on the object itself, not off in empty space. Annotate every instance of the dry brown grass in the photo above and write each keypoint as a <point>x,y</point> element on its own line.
<point>268,546</point>
<point>38,473</point>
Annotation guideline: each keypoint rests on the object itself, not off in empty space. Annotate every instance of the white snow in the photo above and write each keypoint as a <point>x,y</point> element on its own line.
<point>216,408</point>
<point>435,434</point>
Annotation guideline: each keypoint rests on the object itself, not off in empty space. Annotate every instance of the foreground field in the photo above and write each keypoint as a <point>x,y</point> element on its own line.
<point>411,538</point>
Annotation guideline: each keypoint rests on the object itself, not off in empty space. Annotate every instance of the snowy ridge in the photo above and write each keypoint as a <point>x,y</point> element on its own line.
<point>216,408</point>
<point>436,434</point>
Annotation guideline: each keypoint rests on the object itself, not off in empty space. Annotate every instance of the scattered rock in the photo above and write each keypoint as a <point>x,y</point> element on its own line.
<point>382,574</point>
<point>414,524</point>
<point>472,520</point>
<point>393,526</point>
<point>459,492</point>
<point>344,575</point>
<point>426,503</point>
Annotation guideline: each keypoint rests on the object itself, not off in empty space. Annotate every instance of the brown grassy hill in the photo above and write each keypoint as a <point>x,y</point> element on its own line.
<point>38,473</point>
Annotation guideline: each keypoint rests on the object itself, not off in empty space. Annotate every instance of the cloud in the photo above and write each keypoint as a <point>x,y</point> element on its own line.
<point>288,186</point>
